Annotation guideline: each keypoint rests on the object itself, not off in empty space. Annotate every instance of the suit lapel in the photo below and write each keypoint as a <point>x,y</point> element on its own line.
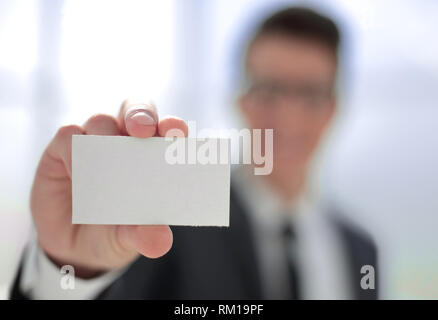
<point>241,242</point>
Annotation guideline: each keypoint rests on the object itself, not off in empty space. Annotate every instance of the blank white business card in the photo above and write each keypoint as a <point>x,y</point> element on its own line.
<point>127,180</point>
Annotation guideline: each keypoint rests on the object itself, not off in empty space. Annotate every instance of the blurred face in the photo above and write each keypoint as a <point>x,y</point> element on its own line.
<point>290,90</point>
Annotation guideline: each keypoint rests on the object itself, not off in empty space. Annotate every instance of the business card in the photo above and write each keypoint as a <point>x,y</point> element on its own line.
<point>173,181</point>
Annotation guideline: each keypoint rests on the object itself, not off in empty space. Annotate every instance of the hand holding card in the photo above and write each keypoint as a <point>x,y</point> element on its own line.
<point>92,249</point>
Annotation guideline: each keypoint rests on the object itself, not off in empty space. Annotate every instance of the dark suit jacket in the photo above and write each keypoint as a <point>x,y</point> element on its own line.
<point>220,263</point>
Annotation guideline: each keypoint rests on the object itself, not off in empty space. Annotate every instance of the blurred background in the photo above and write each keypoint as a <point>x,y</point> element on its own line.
<point>63,60</point>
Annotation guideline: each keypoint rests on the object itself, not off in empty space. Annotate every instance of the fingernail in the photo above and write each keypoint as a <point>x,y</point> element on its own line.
<point>143,118</point>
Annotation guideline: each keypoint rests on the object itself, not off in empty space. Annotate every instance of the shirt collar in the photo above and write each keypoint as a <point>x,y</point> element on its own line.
<point>264,205</point>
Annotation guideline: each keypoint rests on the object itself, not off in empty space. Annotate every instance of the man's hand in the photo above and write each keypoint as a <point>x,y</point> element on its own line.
<point>93,249</point>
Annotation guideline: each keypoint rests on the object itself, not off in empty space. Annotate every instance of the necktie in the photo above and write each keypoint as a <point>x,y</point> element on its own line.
<point>290,246</point>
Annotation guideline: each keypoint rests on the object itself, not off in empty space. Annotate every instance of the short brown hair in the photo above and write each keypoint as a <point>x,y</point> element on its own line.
<point>302,23</point>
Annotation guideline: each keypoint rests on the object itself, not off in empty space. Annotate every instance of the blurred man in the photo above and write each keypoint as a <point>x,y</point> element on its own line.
<point>281,243</point>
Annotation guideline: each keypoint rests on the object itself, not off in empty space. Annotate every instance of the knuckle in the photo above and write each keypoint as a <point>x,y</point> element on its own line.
<point>101,120</point>
<point>69,130</point>
<point>173,123</point>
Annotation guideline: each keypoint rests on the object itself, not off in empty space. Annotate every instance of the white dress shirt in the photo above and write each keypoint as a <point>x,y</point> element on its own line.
<point>321,262</point>
<point>41,278</point>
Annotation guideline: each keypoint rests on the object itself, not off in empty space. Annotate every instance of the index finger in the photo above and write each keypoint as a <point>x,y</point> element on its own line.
<point>138,119</point>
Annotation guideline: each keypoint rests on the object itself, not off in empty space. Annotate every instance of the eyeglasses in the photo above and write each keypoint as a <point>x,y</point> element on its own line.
<point>271,93</point>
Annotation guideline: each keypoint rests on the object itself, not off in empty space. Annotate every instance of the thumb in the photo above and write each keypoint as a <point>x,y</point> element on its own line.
<point>152,241</point>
